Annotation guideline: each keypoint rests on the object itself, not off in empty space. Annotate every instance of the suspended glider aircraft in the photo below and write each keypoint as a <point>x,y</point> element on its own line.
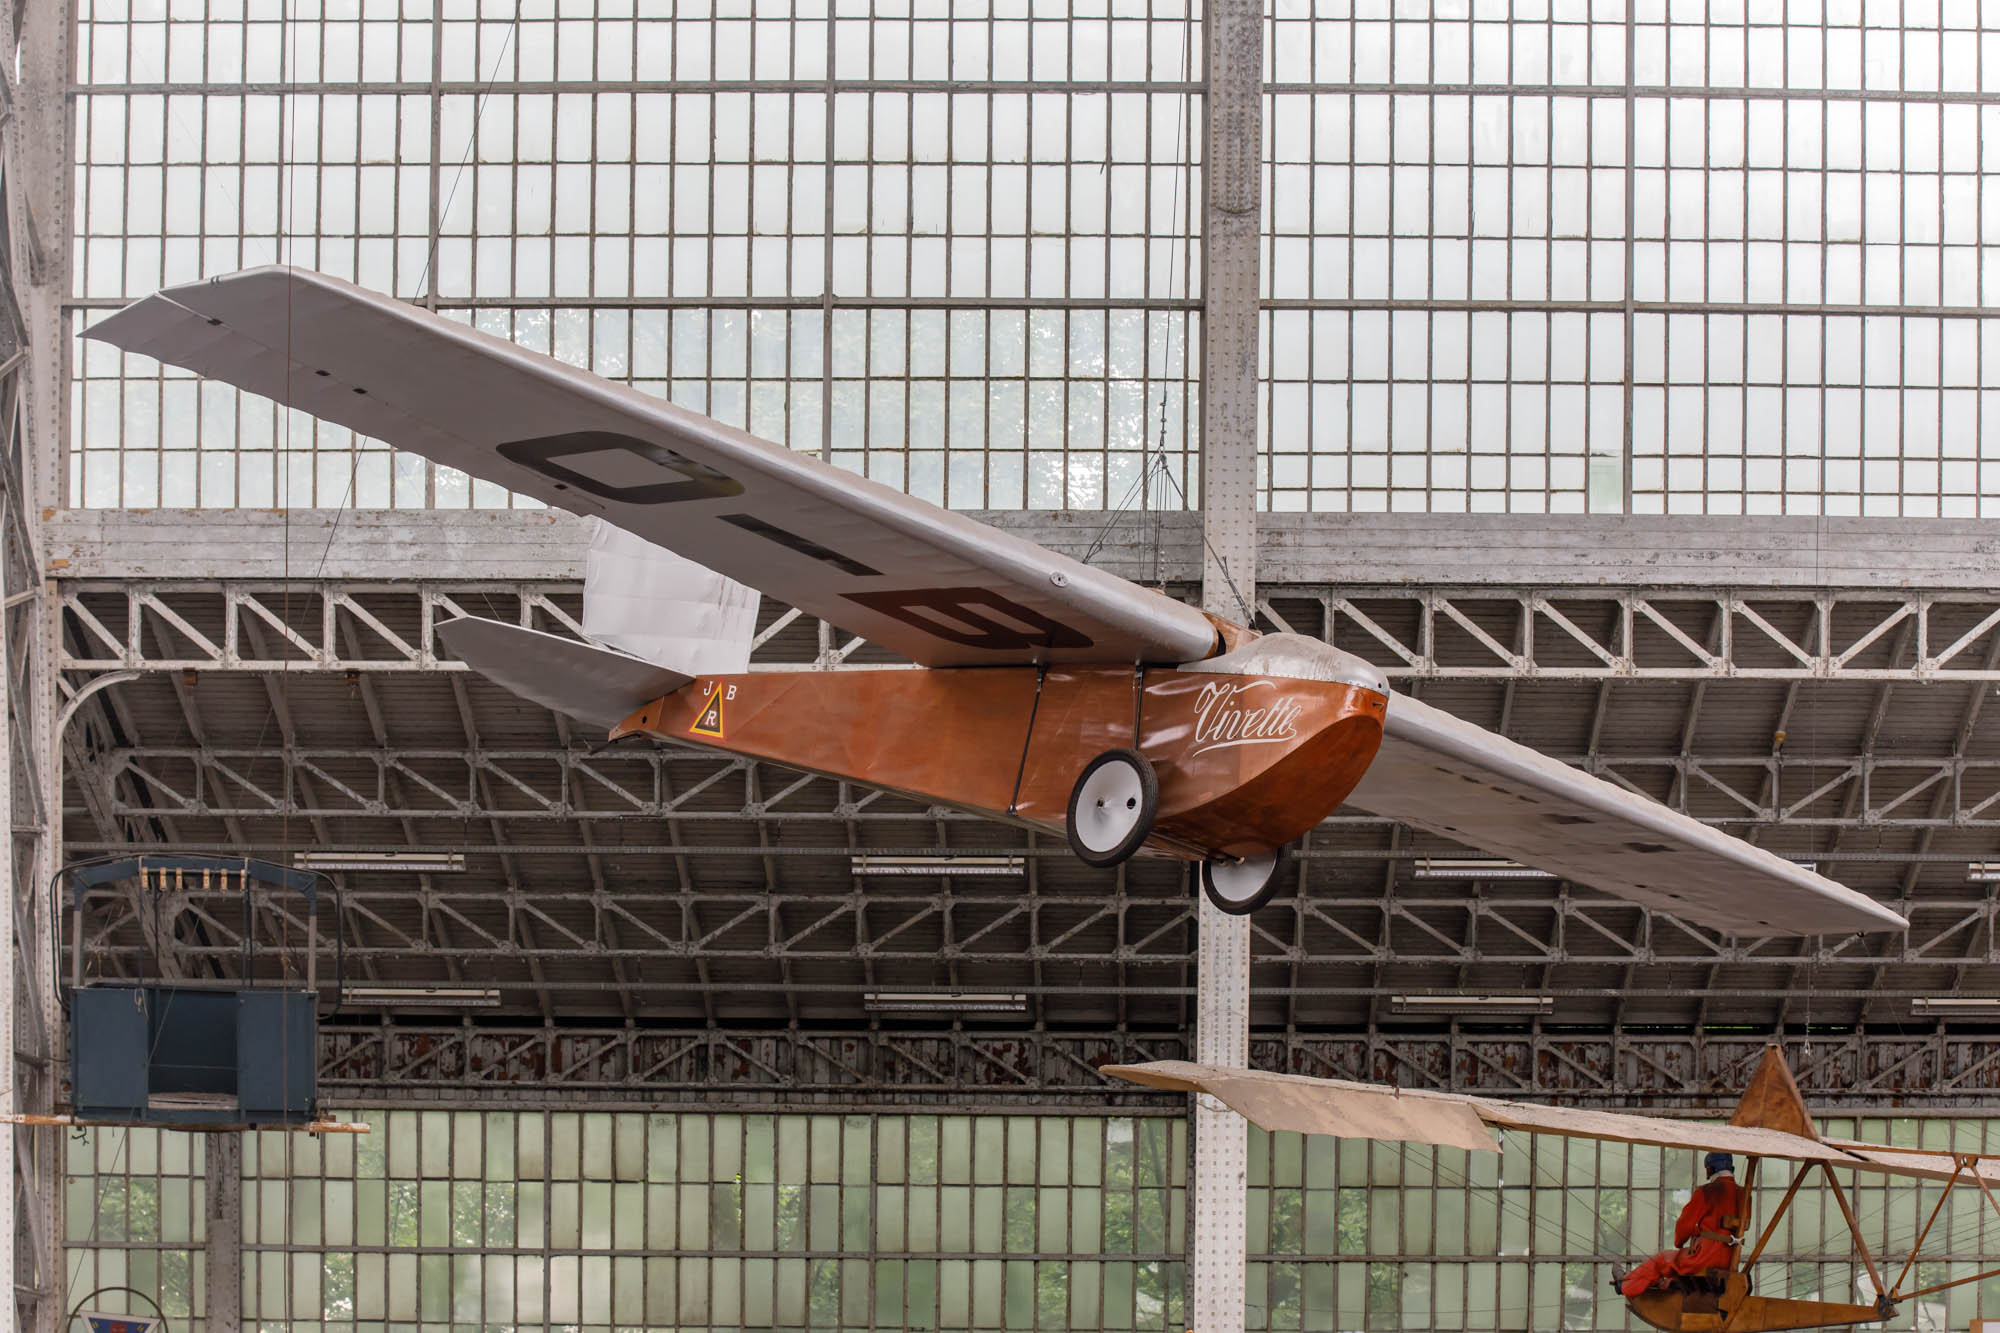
<point>1058,696</point>
<point>1771,1124</point>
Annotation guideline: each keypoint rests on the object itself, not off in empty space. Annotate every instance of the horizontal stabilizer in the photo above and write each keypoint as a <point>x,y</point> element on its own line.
<point>1450,777</point>
<point>599,685</point>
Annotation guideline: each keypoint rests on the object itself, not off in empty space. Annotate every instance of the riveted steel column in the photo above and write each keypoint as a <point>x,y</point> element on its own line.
<point>40,178</point>
<point>1231,221</point>
<point>1230,227</point>
<point>222,1259</point>
<point>36,178</point>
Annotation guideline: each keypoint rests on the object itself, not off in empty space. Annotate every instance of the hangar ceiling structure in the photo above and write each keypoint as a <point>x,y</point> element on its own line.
<point>1827,698</point>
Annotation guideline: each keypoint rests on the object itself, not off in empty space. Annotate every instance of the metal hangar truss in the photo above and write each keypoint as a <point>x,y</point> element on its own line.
<point>670,919</point>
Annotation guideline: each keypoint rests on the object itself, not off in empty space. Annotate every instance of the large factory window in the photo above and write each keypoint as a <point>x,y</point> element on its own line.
<point>1671,259</point>
<point>462,1220</point>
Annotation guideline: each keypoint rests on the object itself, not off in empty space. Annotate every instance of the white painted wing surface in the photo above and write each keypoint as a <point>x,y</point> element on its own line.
<point>1444,774</point>
<point>598,685</point>
<point>939,588</point>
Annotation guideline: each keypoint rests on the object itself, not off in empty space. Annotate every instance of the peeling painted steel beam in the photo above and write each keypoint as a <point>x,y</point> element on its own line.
<point>1934,1068</point>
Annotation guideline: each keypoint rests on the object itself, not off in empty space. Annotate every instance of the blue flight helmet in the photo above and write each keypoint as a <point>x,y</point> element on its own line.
<point>1717,1162</point>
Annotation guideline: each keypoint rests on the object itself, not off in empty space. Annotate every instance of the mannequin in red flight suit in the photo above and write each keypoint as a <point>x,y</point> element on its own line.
<point>1704,1232</point>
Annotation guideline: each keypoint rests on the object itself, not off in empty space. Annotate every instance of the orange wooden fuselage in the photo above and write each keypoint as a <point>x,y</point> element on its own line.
<point>1245,763</point>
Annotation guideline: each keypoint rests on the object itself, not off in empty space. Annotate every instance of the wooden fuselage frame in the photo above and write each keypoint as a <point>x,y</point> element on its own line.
<point>1245,763</point>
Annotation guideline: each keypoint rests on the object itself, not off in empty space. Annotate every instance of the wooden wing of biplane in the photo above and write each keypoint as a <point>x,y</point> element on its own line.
<point>1447,1119</point>
<point>1446,775</point>
<point>1770,1121</point>
<point>937,587</point>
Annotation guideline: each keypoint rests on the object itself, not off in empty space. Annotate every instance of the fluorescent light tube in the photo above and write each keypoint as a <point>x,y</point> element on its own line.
<point>422,997</point>
<point>1472,1004</point>
<point>937,865</point>
<point>1956,1004</point>
<point>425,862</point>
<point>944,1002</point>
<point>1461,868</point>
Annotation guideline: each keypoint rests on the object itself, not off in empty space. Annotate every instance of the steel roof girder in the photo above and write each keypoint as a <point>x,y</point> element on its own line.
<point>312,623</point>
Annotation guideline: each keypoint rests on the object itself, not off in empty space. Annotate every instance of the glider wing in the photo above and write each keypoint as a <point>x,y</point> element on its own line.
<point>1891,1161</point>
<point>937,587</point>
<point>1321,1105</point>
<point>1457,1120</point>
<point>1370,1111</point>
<point>1463,782</point>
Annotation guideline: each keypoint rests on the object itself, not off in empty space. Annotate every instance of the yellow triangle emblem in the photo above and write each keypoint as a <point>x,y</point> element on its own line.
<point>708,722</point>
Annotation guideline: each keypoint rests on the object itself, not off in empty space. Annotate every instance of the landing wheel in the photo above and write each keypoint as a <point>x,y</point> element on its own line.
<point>1112,807</point>
<point>1241,887</point>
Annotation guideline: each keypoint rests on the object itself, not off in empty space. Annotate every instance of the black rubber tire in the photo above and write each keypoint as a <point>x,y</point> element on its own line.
<point>1148,800</point>
<point>1243,906</point>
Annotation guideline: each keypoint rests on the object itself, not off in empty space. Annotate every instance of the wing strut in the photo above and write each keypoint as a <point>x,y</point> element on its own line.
<point>1918,1248</point>
<point>1853,1227</point>
<point>1967,1165</point>
<point>1764,1237</point>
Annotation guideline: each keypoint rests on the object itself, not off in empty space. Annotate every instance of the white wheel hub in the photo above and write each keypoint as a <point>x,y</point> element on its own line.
<point>1110,806</point>
<point>1241,881</point>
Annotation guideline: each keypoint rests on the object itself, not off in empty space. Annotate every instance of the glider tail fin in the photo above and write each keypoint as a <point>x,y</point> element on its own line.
<point>663,608</point>
<point>1773,1100</point>
<point>653,622</point>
